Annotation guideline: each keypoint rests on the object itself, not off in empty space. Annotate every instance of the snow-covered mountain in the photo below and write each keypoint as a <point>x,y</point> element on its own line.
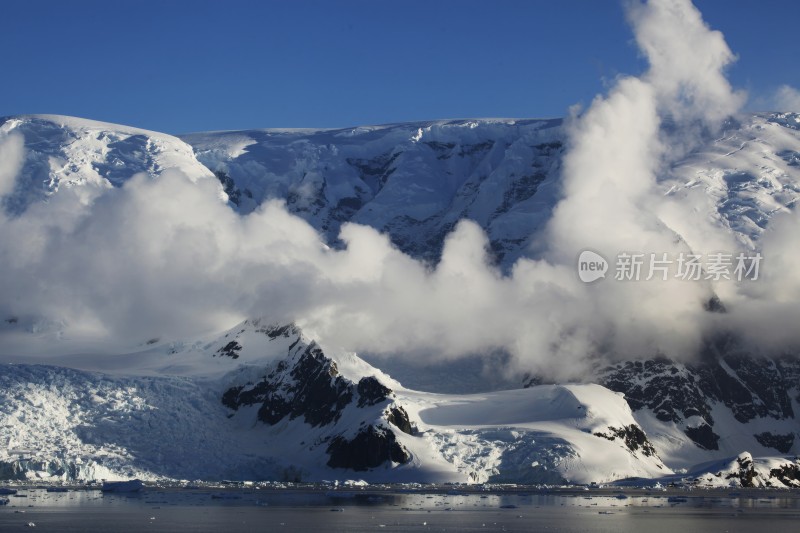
<point>265,401</point>
<point>415,181</point>
<point>725,403</point>
<point>412,181</point>
<point>89,157</point>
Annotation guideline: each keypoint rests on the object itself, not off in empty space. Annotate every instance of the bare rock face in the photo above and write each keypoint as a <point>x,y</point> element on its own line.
<point>307,385</point>
<point>745,472</point>
<point>781,442</point>
<point>750,387</point>
<point>371,391</point>
<point>633,437</point>
<point>370,448</point>
<point>399,417</point>
<point>787,474</point>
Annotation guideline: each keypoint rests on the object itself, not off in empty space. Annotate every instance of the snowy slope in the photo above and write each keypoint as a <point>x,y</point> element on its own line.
<point>549,433</point>
<point>742,178</point>
<point>89,156</point>
<point>270,404</point>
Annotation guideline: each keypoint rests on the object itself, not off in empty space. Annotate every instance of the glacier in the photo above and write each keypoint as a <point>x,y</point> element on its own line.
<point>284,410</point>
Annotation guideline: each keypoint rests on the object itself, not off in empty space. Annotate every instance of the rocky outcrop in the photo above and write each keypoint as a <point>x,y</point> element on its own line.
<point>230,350</point>
<point>744,471</point>
<point>787,474</point>
<point>397,416</point>
<point>370,448</point>
<point>750,387</point>
<point>782,443</point>
<point>371,391</point>
<point>308,386</point>
<point>748,472</point>
<point>633,437</point>
<point>703,436</point>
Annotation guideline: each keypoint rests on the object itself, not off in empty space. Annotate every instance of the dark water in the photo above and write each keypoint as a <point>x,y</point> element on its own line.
<point>387,510</point>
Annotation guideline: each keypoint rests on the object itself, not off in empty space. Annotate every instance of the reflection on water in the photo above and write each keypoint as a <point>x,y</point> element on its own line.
<point>362,509</point>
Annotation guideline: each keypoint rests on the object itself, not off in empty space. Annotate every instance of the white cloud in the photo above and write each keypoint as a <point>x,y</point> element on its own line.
<point>687,60</point>
<point>787,98</point>
<point>12,153</point>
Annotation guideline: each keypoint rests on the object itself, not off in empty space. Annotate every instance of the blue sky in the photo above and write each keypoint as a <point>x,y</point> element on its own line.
<point>190,65</point>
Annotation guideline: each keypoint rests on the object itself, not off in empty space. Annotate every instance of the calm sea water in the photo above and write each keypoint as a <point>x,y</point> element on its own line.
<point>214,510</point>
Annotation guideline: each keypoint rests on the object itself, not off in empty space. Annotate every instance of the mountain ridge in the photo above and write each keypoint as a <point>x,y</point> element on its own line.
<point>413,182</point>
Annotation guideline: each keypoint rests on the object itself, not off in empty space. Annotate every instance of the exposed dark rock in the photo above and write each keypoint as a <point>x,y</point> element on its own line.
<point>230,350</point>
<point>633,437</point>
<point>230,398</point>
<point>229,186</point>
<point>316,392</point>
<point>273,331</point>
<point>311,388</point>
<point>307,385</point>
<point>788,474</point>
<point>751,387</point>
<point>371,391</point>
<point>375,172</point>
<point>370,448</point>
<point>443,150</point>
<point>346,208</point>
<point>746,472</point>
<point>399,417</point>
<point>522,188</point>
<point>782,443</point>
<point>703,436</point>
<point>661,386</point>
